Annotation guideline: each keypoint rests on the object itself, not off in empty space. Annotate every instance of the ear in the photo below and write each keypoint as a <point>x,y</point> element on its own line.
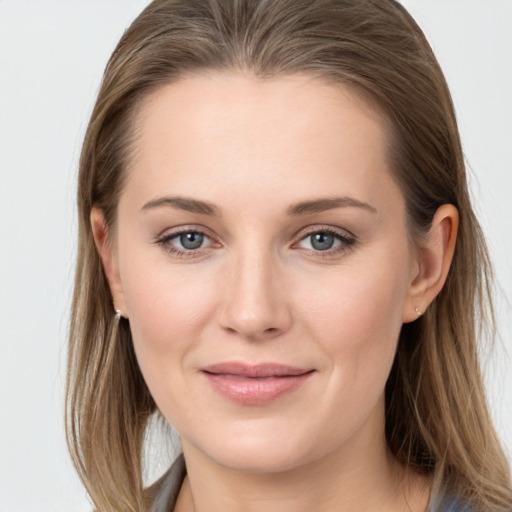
<point>433,260</point>
<point>108,258</point>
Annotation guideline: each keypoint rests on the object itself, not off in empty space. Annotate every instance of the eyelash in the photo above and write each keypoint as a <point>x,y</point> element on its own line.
<point>345,240</point>
<point>165,240</point>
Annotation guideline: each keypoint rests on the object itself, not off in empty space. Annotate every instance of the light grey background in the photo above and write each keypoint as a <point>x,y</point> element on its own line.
<point>52,53</point>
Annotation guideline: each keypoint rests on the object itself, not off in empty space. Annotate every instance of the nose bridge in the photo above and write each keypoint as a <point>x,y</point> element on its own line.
<point>255,305</point>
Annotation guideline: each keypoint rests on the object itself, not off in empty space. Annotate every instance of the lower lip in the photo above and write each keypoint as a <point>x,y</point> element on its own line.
<point>255,391</point>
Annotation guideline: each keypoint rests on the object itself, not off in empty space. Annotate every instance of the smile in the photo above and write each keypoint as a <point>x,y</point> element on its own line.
<point>255,385</point>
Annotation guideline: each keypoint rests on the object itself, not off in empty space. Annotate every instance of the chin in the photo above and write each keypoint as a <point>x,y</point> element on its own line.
<point>267,450</point>
<point>260,460</point>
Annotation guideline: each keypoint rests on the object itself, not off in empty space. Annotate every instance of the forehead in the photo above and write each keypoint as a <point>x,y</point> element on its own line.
<point>211,101</point>
<point>217,133</point>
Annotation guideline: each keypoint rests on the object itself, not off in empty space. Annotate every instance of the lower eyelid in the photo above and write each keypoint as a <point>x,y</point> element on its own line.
<point>345,241</point>
<point>165,241</point>
<point>166,236</point>
<point>343,237</point>
<point>342,242</point>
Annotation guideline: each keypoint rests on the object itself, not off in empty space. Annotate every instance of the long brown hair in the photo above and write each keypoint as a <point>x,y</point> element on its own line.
<point>436,414</point>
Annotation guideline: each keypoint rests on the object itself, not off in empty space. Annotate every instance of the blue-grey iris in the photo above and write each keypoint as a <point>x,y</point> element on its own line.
<point>322,241</point>
<point>191,240</point>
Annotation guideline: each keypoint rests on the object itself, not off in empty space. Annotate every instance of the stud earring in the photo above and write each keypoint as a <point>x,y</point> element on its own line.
<point>418,311</point>
<point>119,314</point>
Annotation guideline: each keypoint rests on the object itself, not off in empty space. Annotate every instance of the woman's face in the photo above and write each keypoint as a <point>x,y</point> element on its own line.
<point>262,259</point>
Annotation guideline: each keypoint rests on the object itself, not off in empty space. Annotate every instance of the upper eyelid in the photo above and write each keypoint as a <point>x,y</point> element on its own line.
<point>179,230</point>
<point>310,230</point>
<point>165,238</point>
<point>299,235</point>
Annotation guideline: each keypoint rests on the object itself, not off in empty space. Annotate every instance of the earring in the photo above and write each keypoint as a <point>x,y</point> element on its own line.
<point>418,311</point>
<point>119,314</point>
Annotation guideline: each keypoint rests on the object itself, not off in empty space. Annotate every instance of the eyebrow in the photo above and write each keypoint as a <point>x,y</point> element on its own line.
<point>296,210</point>
<point>324,204</point>
<point>184,203</point>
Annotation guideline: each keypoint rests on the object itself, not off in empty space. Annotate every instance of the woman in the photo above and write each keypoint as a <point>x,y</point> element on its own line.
<point>277,254</point>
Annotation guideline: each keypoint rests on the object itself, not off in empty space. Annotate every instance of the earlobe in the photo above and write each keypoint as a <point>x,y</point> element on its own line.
<point>109,260</point>
<point>434,258</point>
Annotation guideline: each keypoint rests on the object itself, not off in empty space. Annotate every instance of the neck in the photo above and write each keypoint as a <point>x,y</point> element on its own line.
<point>362,476</point>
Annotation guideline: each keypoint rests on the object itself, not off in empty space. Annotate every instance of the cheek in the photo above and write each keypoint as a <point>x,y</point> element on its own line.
<point>168,310</point>
<point>356,316</point>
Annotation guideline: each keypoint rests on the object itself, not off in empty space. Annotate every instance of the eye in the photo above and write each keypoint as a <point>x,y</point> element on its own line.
<point>322,241</point>
<point>325,240</point>
<point>185,243</point>
<point>191,240</point>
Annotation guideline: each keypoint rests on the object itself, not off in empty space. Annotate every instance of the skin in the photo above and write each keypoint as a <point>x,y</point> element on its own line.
<point>258,290</point>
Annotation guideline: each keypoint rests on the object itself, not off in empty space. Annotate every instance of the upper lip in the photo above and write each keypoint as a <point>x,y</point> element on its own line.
<point>255,371</point>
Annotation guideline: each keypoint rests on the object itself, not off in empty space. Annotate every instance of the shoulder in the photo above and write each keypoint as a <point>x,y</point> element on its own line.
<point>451,504</point>
<point>162,495</point>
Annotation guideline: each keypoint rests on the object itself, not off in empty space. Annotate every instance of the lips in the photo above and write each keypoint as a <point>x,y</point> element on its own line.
<point>255,384</point>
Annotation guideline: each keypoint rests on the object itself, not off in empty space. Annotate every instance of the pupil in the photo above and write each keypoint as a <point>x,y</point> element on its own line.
<point>191,240</point>
<point>322,241</point>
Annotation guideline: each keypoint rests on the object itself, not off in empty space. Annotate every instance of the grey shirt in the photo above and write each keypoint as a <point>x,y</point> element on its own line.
<point>165,491</point>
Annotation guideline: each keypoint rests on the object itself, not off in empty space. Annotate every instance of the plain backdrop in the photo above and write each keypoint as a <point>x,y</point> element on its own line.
<point>52,53</point>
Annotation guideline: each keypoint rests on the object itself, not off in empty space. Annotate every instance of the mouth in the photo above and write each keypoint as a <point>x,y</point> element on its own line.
<point>255,384</point>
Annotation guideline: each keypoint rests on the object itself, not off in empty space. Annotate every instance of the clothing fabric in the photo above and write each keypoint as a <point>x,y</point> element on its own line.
<point>450,504</point>
<point>166,490</point>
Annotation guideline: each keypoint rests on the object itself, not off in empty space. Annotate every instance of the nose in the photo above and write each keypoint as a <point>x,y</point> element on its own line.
<point>255,301</point>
